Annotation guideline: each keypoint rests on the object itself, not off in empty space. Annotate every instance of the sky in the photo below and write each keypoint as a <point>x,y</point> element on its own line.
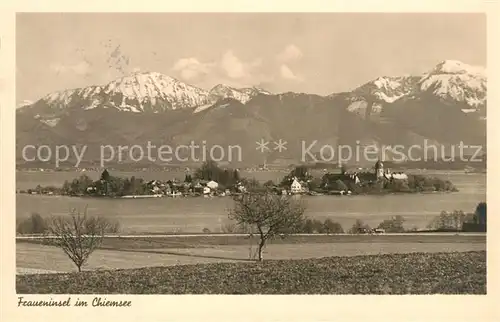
<point>320,53</point>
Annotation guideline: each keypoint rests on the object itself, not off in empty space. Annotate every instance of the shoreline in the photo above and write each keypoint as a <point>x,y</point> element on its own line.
<point>222,196</point>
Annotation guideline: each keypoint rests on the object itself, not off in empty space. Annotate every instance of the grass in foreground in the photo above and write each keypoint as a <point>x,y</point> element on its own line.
<point>416,273</point>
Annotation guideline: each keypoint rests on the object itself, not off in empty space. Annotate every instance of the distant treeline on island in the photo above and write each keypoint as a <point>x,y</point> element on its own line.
<point>213,180</point>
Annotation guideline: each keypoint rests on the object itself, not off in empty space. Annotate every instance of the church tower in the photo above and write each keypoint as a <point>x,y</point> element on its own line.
<point>379,169</point>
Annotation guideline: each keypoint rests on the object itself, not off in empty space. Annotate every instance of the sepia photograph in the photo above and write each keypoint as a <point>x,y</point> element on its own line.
<point>250,153</point>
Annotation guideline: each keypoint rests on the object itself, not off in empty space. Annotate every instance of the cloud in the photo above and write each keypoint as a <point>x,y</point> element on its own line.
<point>191,68</point>
<point>235,68</point>
<point>290,53</point>
<point>232,65</point>
<point>228,69</point>
<point>231,70</point>
<point>287,73</point>
<point>80,68</point>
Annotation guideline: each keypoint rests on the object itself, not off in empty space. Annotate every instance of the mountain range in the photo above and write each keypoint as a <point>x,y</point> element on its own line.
<point>445,106</point>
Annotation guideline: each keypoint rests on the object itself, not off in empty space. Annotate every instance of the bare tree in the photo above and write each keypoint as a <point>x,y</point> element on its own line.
<point>78,235</point>
<point>448,221</point>
<point>270,214</point>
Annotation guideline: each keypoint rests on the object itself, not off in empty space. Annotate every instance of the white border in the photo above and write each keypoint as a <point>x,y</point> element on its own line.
<point>245,308</point>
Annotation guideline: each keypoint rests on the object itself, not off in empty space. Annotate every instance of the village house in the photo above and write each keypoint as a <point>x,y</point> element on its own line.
<point>241,188</point>
<point>296,186</point>
<point>387,174</point>
<point>395,175</point>
<point>197,187</point>
<point>354,177</point>
<point>154,186</point>
<point>91,189</point>
<point>212,185</point>
<point>305,185</point>
<point>263,166</point>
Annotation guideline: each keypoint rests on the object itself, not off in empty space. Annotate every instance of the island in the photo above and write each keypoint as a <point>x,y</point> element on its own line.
<point>211,180</point>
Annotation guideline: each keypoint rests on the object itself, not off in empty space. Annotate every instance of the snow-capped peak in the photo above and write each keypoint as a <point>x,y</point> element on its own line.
<point>457,67</point>
<point>386,89</point>
<point>254,91</point>
<point>386,82</point>
<point>225,91</point>
<point>241,94</point>
<point>144,91</point>
<point>452,79</point>
<point>137,92</point>
<point>222,89</point>
<point>149,84</point>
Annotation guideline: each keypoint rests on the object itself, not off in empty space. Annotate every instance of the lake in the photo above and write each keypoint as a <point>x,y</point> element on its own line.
<point>192,215</point>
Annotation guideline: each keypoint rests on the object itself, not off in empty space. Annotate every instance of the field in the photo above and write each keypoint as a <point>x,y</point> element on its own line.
<point>416,273</point>
<point>123,253</point>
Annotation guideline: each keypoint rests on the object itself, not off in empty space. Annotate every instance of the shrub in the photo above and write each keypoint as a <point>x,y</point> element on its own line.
<point>331,227</point>
<point>476,221</point>
<point>359,227</point>
<point>376,187</point>
<point>113,227</point>
<point>35,224</point>
<point>269,183</point>
<point>398,186</point>
<point>315,184</point>
<point>420,183</point>
<point>229,227</point>
<point>393,225</point>
<point>318,226</point>
<point>312,226</point>
<point>308,226</point>
<point>340,185</point>
<point>447,221</point>
<point>354,188</point>
<point>480,213</point>
<point>443,185</point>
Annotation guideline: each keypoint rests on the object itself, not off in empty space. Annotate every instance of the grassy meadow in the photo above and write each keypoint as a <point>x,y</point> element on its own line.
<point>413,273</point>
<point>126,253</point>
